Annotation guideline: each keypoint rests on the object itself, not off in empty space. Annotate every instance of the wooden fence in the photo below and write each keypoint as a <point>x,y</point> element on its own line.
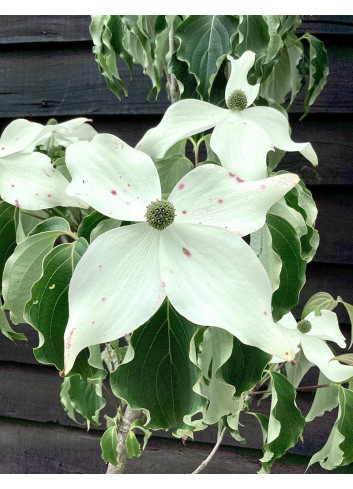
<point>47,69</point>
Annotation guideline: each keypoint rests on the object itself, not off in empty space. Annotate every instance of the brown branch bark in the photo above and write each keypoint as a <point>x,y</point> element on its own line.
<point>130,415</point>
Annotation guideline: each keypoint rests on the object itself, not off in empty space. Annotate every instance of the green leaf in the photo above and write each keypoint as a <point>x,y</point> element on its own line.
<point>318,70</point>
<point>109,446</point>
<point>326,399</point>
<point>296,372</point>
<point>317,302</point>
<point>171,170</point>
<point>244,367</point>
<point>89,223</point>
<point>7,233</point>
<point>187,84</point>
<point>295,52</point>
<point>300,199</point>
<point>66,401</point>
<point>292,278</point>
<point>23,268</point>
<point>259,34</point>
<point>338,450</point>
<point>157,374</point>
<point>86,398</point>
<point>51,224</point>
<point>47,309</point>
<point>349,309</point>
<point>261,243</point>
<point>139,47</point>
<point>103,227</point>
<point>7,330</point>
<point>205,41</point>
<point>216,349</point>
<point>132,445</point>
<point>25,223</point>
<point>286,422</point>
<point>346,358</point>
<point>107,32</point>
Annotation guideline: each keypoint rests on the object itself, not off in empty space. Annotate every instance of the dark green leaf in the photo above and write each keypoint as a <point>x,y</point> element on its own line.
<point>109,446</point>
<point>7,233</point>
<point>292,278</point>
<point>171,170</point>
<point>47,310</point>
<point>318,70</point>
<point>317,302</point>
<point>286,422</point>
<point>86,398</point>
<point>7,330</point>
<point>244,367</point>
<point>23,268</point>
<point>205,41</point>
<point>157,373</point>
<point>89,223</point>
<point>338,450</point>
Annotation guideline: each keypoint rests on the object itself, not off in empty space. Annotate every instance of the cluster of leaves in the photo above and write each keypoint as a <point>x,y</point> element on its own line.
<point>193,49</point>
<point>182,376</point>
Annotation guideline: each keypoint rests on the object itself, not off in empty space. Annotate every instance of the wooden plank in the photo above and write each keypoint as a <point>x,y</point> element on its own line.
<point>18,29</point>
<point>334,223</point>
<point>67,81</point>
<point>31,393</point>
<point>33,448</point>
<point>327,24</point>
<point>29,448</point>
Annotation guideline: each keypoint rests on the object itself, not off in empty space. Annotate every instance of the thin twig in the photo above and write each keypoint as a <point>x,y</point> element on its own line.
<point>209,458</point>
<point>302,389</point>
<point>173,86</point>
<point>256,388</point>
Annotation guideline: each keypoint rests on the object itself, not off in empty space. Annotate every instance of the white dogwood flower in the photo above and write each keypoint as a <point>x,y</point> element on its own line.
<point>311,335</point>
<point>27,178</point>
<point>187,248</point>
<point>242,135</point>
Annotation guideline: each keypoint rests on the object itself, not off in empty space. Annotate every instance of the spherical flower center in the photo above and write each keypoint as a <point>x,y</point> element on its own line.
<point>237,100</point>
<point>160,214</point>
<point>304,326</point>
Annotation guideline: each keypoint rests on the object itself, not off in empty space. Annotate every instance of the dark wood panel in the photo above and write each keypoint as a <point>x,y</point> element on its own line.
<point>334,223</point>
<point>48,449</point>
<point>53,82</point>
<point>67,81</point>
<point>327,24</point>
<point>15,29</point>
<point>29,448</point>
<point>31,393</point>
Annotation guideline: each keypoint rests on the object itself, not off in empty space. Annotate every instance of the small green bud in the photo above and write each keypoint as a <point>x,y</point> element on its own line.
<point>237,100</point>
<point>304,326</point>
<point>160,214</point>
<point>52,122</point>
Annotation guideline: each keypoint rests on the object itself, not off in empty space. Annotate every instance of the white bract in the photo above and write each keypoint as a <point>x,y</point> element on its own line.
<point>27,178</point>
<point>188,249</point>
<point>311,335</point>
<point>66,133</point>
<point>242,135</point>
